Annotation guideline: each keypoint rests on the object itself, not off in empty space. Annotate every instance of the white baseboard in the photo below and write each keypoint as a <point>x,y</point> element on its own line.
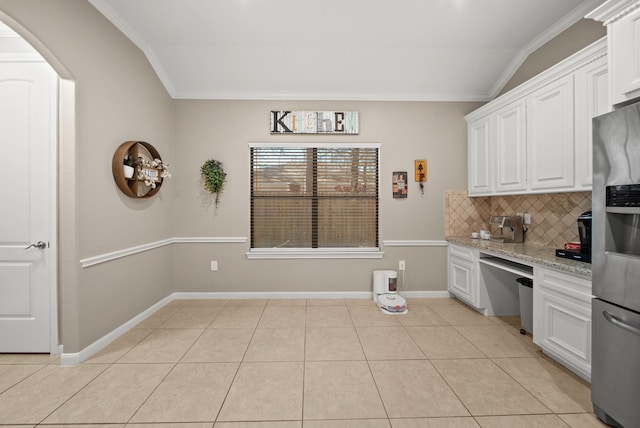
<point>302,295</point>
<point>73,359</point>
<point>277,295</point>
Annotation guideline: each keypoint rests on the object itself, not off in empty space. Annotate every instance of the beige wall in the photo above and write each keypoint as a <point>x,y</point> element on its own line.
<point>118,98</point>
<point>222,130</point>
<point>578,36</point>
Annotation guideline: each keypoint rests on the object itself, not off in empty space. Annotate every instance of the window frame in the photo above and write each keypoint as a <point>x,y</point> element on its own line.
<point>318,253</point>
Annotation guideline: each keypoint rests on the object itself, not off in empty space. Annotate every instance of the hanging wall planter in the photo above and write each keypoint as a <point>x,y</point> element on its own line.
<point>213,176</point>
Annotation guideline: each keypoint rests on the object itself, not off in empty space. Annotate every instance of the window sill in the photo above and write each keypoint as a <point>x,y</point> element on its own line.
<point>323,253</point>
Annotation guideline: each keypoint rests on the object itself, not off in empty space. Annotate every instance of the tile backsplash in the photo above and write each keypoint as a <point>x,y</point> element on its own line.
<point>553,215</point>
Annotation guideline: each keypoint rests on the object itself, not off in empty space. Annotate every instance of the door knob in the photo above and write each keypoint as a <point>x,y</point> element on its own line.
<point>40,245</point>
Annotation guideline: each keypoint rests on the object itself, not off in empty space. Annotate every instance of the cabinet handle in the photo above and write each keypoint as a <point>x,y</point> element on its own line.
<point>619,323</point>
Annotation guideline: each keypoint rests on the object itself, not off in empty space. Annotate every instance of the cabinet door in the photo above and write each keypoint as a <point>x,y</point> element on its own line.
<point>550,138</point>
<point>461,280</point>
<point>479,153</point>
<point>591,100</point>
<point>461,276</point>
<point>625,57</point>
<point>562,319</point>
<point>510,148</point>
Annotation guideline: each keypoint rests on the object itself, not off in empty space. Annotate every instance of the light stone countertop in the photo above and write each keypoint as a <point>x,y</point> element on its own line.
<point>535,254</point>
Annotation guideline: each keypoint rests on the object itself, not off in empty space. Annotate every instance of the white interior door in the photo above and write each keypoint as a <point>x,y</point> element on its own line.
<point>27,275</point>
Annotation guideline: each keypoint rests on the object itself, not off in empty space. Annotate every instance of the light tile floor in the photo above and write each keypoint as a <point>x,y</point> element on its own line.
<point>302,363</point>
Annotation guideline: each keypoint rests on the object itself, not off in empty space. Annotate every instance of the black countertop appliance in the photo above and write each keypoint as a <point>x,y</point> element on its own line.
<point>584,231</point>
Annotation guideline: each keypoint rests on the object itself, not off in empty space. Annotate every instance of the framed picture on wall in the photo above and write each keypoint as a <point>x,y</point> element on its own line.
<point>400,184</point>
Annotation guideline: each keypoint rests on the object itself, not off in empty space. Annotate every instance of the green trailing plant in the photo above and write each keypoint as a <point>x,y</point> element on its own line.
<point>214,177</point>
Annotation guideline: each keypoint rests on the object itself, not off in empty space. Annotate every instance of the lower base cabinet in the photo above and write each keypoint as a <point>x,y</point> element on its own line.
<point>561,303</point>
<point>462,280</point>
<point>562,318</point>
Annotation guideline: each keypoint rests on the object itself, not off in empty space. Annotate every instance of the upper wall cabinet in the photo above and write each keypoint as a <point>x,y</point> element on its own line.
<point>622,18</point>
<point>550,148</point>
<point>591,100</point>
<point>510,146</point>
<point>480,173</point>
<point>537,137</point>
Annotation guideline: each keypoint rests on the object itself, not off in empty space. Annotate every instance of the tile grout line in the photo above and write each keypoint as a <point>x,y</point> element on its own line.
<point>453,391</point>
<point>531,356</point>
<point>108,366</point>
<point>457,330</point>
<point>440,374</point>
<point>519,383</point>
<point>152,392</point>
<point>174,364</point>
<point>304,361</point>
<point>233,379</point>
<point>24,378</point>
<point>76,393</point>
<point>366,358</point>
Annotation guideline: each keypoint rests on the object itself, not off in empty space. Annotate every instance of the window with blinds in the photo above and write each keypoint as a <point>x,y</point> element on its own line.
<point>314,197</point>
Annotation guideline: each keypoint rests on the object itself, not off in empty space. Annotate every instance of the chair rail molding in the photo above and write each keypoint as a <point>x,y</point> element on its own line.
<point>125,252</point>
<point>415,243</point>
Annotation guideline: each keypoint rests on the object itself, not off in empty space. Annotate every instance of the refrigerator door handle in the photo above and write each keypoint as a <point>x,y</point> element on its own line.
<point>619,323</point>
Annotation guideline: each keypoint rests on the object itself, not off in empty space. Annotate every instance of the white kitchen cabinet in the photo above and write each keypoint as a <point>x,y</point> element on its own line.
<point>510,147</point>
<point>497,151</point>
<point>487,281</point>
<point>591,100</point>
<point>480,165</point>
<point>537,137</point>
<point>562,318</point>
<point>462,279</point>
<point>622,18</point>
<point>550,139</point>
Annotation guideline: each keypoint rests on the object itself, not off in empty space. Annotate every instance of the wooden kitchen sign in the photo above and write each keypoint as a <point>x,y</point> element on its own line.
<point>314,122</point>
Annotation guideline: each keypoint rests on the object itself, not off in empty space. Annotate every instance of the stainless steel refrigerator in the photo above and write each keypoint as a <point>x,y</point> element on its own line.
<point>615,369</point>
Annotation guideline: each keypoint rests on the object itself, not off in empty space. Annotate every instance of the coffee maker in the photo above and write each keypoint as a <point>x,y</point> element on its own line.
<point>584,232</point>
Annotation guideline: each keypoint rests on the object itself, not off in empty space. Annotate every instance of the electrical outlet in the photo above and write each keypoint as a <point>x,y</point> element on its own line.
<point>214,265</point>
<point>401,265</point>
<point>527,218</point>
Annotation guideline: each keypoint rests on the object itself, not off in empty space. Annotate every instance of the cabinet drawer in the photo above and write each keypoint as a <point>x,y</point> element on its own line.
<point>566,285</point>
<point>465,253</point>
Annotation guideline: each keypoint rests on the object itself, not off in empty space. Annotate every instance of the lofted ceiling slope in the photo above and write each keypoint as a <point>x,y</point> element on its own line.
<point>424,50</point>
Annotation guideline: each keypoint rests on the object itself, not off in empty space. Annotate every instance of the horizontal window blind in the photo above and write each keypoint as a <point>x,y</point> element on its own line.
<point>314,197</point>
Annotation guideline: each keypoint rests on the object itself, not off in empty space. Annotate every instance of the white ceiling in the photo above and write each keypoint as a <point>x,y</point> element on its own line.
<point>340,49</point>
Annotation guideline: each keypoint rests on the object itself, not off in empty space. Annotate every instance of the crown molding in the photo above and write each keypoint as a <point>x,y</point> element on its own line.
<point>104,8</point>
<point>560,26</point>
<point>613,10</point>
<point>593,52</point>
<point>315,96</point>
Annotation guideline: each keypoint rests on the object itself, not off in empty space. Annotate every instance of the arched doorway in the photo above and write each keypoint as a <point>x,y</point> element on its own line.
<point>28,190</point>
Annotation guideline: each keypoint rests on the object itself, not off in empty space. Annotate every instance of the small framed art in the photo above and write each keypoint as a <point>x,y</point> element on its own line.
<point>400,184</point>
